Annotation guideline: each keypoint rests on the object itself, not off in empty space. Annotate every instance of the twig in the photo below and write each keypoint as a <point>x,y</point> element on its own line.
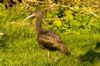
<point>91,13</point>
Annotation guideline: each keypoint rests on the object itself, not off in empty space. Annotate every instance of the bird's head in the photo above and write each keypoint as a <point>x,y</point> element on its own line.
<point>35,14</point>
<point>38,13</point>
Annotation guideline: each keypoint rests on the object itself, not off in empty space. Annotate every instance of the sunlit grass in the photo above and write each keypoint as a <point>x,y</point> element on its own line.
<point>19,46</point>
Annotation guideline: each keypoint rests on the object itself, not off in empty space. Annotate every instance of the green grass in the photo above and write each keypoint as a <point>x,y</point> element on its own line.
<point>19,46</point>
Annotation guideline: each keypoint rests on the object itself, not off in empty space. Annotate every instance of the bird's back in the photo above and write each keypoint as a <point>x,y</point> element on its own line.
<point>51,41</point>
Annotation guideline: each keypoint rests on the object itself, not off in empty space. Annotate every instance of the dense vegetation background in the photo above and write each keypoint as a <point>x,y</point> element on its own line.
<point>76,21</point>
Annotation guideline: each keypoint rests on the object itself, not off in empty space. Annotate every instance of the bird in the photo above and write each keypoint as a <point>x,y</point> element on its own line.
<point>48,39</point>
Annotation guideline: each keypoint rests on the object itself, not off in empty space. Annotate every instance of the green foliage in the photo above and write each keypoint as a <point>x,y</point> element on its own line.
<point>19,47</point>
<point>57,23</point>
<point>69,15</point>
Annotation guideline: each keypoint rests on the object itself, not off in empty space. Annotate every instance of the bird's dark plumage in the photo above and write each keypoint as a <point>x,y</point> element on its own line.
<point>48,39</point>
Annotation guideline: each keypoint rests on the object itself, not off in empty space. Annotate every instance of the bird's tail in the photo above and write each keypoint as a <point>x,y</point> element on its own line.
<point>65,50</point>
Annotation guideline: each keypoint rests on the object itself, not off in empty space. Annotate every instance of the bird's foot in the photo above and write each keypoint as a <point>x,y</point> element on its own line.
<point>57,58</point>
<point>48,55</point>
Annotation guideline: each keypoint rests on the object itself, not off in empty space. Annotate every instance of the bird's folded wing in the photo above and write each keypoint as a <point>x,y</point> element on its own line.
<point>50,39</point>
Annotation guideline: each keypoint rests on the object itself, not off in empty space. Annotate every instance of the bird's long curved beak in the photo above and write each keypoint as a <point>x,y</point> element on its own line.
<point>30,16</point>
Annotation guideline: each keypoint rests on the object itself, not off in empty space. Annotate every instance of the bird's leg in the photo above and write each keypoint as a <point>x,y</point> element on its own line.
<point>57,58</point>
<point>48,54</point>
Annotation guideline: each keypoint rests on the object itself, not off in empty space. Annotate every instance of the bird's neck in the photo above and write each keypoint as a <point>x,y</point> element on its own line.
<point>38,24</point>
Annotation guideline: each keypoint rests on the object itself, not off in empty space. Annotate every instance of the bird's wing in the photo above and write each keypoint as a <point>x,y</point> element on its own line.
<point>50,38</point>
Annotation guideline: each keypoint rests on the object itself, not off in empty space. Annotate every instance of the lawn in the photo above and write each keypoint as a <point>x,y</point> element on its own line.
<point>18,39</point>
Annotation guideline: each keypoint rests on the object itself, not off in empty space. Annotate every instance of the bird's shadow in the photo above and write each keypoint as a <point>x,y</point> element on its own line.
<point>90,56</point>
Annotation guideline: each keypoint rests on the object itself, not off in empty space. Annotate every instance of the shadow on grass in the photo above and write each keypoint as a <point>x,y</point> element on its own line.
<point>91,56</point>
<point>97,47</point>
